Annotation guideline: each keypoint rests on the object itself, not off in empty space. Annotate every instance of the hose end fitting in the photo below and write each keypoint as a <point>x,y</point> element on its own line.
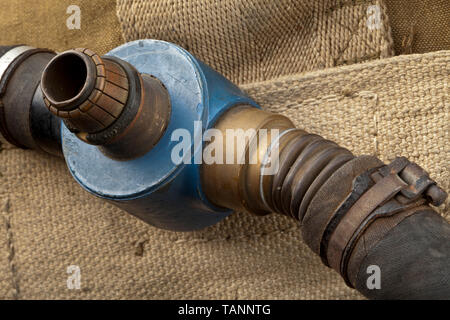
<point>86,91</point>
<point>106,102</point>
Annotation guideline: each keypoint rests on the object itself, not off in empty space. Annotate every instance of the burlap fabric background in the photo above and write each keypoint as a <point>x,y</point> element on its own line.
<point>42,24</point>
<point>254,40</point>
<point>385,107</point>
<point>419,26</point>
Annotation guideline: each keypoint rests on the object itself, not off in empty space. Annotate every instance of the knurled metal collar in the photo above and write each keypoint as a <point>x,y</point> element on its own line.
<point>100,101</point>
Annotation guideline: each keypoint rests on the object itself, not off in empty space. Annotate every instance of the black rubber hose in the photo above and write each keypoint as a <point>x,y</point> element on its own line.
<point>5,49</point>
<point>24,119</point>
<point>413,259</point>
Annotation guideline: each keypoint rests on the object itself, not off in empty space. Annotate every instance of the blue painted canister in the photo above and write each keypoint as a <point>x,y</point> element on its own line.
<point>153,187</point>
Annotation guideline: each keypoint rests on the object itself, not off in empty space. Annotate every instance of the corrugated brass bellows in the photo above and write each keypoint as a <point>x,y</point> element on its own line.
<point>335,195</point>
<point>306,161</point>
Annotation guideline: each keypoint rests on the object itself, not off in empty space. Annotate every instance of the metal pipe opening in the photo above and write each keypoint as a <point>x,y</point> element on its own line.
<point>68,80</point>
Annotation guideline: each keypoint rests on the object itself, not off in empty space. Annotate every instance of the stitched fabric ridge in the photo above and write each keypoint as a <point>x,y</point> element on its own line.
<point>254,40</point>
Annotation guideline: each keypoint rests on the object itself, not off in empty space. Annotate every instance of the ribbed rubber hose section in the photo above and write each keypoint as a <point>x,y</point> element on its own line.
<point>306,163</point>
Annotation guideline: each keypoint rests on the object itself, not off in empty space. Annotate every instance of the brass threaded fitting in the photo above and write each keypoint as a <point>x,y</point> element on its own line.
<point>106,102</point>
<point>88,92</point>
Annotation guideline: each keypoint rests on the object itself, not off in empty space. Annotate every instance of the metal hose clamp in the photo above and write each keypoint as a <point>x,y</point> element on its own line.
<point>380,192</point>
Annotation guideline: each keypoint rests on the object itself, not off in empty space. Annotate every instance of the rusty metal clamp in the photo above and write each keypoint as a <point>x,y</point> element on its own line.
<point>380,192</point>
<point>419,182</point>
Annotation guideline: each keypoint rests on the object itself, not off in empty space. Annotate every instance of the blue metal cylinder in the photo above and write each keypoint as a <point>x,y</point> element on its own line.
<point>152,187</point>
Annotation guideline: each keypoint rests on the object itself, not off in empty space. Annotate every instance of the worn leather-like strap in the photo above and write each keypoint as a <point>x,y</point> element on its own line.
<point>397,188</point>
<point>381,192</point>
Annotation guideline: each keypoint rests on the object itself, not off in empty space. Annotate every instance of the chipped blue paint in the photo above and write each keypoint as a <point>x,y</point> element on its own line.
<point>152,187</point>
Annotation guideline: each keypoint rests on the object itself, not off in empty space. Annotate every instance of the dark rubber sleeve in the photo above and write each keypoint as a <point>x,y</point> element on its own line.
<point>414,260</point>
<point>5,49</point>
